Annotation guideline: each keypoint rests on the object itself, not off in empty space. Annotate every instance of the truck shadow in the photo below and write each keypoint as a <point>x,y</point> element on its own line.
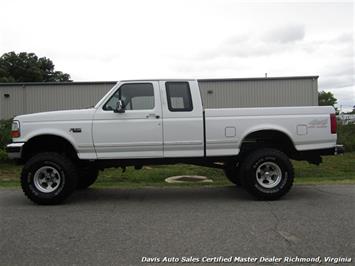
<point>172,194</point>
<point>160,194</point>
<point>109,196</point>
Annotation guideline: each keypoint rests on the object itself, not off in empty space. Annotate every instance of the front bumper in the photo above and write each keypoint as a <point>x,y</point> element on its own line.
<point>14,150</point>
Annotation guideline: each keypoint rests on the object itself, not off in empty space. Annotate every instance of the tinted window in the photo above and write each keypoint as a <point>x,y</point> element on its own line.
<point>135,96</point>
<point>179,96</point>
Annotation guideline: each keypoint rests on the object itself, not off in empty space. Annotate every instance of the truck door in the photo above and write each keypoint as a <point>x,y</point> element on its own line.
<point>182,119</point>
<point>136,133</point>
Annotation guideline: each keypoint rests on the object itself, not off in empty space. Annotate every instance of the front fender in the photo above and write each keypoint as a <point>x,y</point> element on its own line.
<point>49,131</point>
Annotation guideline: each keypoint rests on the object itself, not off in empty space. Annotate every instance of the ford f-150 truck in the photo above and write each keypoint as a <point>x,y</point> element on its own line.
<point>141,122</point>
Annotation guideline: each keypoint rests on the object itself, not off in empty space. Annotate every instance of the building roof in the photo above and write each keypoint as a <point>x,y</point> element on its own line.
<point>261,78</point>
<point>114,82</point>
<point>58,83</point>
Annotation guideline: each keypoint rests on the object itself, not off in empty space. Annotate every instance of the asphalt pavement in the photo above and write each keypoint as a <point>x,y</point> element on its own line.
<point>124,227</point>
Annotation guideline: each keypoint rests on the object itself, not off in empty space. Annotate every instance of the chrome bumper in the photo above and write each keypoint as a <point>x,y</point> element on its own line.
<point>14,150</point>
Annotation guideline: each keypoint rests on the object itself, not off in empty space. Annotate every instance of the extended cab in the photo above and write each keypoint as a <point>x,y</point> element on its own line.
<point>164,122</point>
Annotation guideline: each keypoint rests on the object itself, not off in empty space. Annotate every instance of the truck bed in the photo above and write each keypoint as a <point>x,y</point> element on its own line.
<point>307,127</point>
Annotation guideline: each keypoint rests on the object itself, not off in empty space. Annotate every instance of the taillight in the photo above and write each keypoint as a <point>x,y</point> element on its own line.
<point>333,124</point>
<point>15,129</point>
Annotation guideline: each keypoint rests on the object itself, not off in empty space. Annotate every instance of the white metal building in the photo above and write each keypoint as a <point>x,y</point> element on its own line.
<point>23,98</point>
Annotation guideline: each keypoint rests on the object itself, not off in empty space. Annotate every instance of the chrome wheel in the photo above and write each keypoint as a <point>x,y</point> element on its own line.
<point>47,179</point>
<point>268,175</point>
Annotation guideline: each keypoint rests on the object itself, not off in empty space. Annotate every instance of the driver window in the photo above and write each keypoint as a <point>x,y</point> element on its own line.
<point>135,96</point>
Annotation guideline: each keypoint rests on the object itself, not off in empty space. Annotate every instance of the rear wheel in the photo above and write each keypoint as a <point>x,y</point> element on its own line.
<point>48,178</point>
<point>267,174</point>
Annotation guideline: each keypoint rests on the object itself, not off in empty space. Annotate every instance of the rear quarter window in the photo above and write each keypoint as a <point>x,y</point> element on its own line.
<point>179,96</point>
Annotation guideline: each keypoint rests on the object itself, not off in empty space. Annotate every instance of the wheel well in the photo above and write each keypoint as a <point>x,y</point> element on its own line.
<point>268,138</point>
<point>46,143</point>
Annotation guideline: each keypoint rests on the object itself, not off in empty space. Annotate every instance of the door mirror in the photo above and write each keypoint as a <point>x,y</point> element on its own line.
<point>120,108</point>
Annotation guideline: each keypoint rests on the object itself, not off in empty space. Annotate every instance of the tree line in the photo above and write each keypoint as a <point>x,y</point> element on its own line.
<point>28,67</point>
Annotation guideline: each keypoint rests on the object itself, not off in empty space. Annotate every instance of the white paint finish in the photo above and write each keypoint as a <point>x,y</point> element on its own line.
<point>133,134</point>
<point>82,142</point>
<point>302,130</point>
<point>230,132</point>
<point>283,119</point>
<point>264,111</point>
<point>59,124</point>
<point>183,131</point>
<point>67,115</point>
<point>216,141</point>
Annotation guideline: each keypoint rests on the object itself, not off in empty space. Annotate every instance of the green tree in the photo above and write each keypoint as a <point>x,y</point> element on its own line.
<point>27,67</point>
<point>326,98</point>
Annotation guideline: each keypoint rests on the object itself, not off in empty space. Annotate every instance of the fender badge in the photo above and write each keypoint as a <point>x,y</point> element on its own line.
<point>75,130</point>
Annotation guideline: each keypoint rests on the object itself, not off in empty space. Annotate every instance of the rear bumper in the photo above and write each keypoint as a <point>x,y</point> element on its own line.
<point>14,150</point>
<point>337,149</point>
<point>315,156</point>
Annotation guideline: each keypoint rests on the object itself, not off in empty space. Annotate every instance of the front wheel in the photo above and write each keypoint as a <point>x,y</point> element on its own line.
<point>48,178</point>
<point>267,174</point>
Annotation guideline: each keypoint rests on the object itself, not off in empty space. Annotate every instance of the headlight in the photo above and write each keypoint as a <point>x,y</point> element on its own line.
<point>15,129</point>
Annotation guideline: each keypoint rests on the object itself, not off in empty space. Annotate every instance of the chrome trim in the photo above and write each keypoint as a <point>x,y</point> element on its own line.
<point>14,150</point>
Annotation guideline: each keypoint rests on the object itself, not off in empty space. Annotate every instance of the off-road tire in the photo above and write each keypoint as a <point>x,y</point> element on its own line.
<point>251,177</point>
<point>64,167</point>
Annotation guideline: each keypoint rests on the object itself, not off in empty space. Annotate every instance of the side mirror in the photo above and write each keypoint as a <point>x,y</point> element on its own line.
<point>120,108</point>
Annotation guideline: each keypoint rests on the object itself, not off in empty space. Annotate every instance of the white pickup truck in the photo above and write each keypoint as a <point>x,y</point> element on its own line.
<point>142,122</point>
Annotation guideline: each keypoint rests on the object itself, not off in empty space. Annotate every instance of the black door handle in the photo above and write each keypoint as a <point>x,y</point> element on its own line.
<point>153,115</point>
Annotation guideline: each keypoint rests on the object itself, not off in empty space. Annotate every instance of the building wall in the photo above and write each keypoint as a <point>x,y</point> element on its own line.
<point>32,98</point>
<point>13,104</point>
<point>259,92</point>
<point>38,97</point>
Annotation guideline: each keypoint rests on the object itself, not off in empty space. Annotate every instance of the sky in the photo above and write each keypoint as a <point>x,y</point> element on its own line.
<point>113,40</point>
